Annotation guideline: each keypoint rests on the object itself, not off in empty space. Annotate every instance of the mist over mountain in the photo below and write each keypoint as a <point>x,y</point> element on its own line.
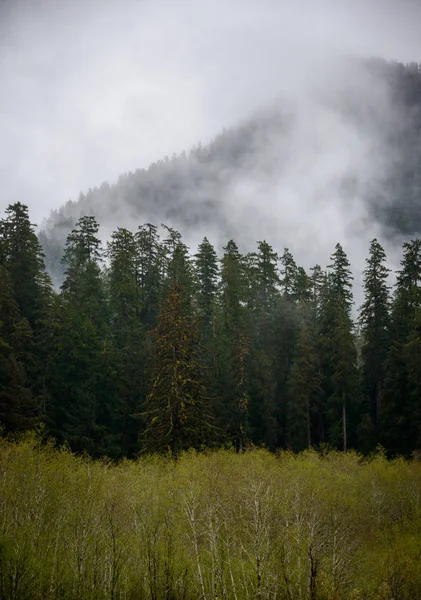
<point>337,157</point>
<point>263,312</point>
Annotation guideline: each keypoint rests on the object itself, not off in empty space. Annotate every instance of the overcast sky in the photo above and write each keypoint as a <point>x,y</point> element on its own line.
<point>93,88</point>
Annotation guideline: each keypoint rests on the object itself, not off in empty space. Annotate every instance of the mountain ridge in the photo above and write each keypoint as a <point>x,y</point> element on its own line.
<point>354,153</point>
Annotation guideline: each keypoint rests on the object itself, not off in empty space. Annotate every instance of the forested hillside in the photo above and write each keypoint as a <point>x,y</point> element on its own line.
<point>150,346</point>
<point>357,142</point>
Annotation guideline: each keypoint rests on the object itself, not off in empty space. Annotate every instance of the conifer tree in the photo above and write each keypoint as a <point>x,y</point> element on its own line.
<point>344,378</point>
<point>124,292</point>
<point>177,413</point>
<point>374,321</point>
<point>25,300</point>
<point>207,278</point>
<point>83,285</point>
<point>302,288</point>
<point>399,426</point>
<point>337,348</point>
<point>18,407</point>
<point>407,298</point>
<point>233,348</point>
<point>232,284</point>
<point>180,268</point>
<point>288,274</point>
<point>341,279</point>
<point>79,352</point>
<point>124,377</point>
<point>413,358</point>
<point>303,390</point>
<point>150,272</point>
<point>286,328</point>
<point>263,298</point>
<point>23,258</point>
<point>317,280</point>
<point>207,272</point>
<point>266,278</point>
<point>305,410</point>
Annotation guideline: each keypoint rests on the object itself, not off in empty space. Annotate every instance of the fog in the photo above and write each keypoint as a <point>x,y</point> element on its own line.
<point>91,89</point>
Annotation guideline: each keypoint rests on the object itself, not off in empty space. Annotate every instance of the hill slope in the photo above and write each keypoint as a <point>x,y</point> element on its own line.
<point>342,160</point>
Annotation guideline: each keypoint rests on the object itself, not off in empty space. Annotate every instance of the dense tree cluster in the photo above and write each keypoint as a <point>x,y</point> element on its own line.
<point>208,525</point>
<point>148,348</point>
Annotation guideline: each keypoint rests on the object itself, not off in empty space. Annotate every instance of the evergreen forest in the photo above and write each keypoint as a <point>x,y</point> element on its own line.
<point>151,347</point>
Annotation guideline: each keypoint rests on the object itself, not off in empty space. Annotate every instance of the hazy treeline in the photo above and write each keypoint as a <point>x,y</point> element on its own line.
<point>148,348</point>
<point>195,189</point>
<point>210,525</point>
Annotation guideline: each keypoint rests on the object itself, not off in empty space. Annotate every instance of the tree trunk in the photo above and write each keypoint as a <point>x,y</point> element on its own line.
<point>344,423</point>
<point>308,422</point>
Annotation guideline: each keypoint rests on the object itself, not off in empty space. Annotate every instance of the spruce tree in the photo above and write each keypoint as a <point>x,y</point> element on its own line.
<point>25,301</point>
<point>286,327</point>
<point>18,407</point>
<point>341,279</point>
<point>288,274</point>
<point>207,278</point>
<point>407,298</point>
<point>151,265</point>
<point>177,414</point>
<point>123,285</point>
<point>303,391</point>
<point>305,406</point>
<point>80,410</point>
<point>233,348</point>
<point>207,273</point>
<point>180,268</point>
<point>263,298</point>
<point>399,422</point>
<point>337,348</point>
<point>24,261</point>
<point>83,284</point>
<point>125,378</point>
<point>374,320</point>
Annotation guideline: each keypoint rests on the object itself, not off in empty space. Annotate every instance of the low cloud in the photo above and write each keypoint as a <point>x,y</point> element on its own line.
<point>93,89</point>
